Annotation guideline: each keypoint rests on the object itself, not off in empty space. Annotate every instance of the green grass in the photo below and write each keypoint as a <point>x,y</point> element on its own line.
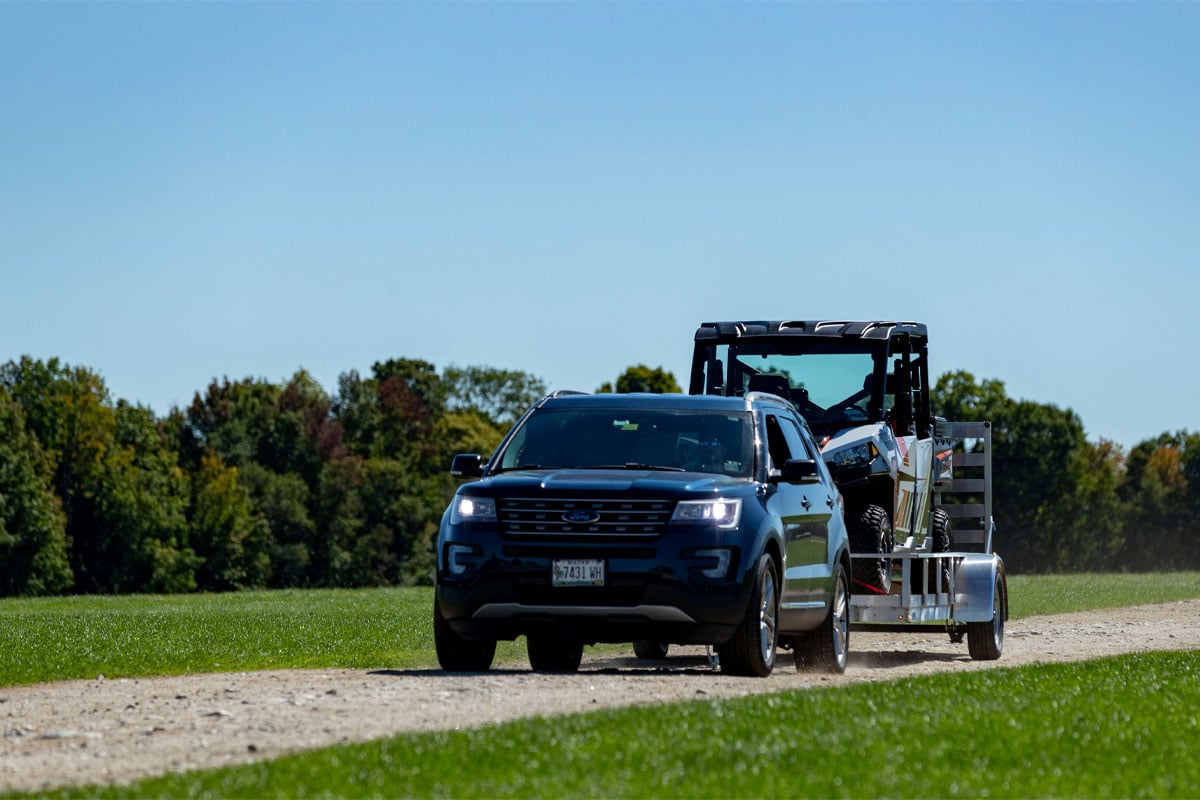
<point>1032,595</point>
<point>1119,727</point>
<point>1123,727</point>
<point>47,639</point>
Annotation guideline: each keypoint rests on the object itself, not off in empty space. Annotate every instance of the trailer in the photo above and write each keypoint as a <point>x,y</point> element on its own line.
<point>963,592</point>
<point>917,490</point>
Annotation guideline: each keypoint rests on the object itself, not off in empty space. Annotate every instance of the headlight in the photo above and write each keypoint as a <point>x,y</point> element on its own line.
<point>857,456</point>
<point>472,509</point>
<point>722,513</point>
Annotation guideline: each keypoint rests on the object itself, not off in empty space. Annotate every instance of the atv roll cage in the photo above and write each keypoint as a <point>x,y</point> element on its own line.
<point>838,374</point>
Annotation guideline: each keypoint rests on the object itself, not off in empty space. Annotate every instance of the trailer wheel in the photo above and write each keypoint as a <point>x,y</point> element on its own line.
<point>650,649</point>
<point>456,654</point>
<point>827,648</point>
<point>985,640</point>
<point>752,650</point>
<point>872,533</point>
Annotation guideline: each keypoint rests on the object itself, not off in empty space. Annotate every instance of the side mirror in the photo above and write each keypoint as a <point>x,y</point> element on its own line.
<point>799,470</point>
<point>467,465</point>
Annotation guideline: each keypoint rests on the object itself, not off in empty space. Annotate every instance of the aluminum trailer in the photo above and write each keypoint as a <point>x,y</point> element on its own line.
<point>964,592</point>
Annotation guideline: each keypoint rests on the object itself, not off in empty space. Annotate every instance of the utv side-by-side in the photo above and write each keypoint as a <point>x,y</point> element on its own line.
<point>864,389</point>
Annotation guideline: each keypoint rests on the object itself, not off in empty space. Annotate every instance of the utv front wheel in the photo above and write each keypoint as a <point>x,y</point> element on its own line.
<point>456,654</point>
<point>871,533</point>
<point>752,649</point>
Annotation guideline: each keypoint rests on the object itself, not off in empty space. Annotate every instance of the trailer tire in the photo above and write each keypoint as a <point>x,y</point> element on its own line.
<point>985,640</point>
<point>754,646</point>
<point>651,650</point>
<point>827,648</point>
<point>872,533</point>
<point>456,654</point>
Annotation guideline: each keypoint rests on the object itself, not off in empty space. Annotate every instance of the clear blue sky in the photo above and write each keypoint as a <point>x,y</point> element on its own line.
<point>190,191</point>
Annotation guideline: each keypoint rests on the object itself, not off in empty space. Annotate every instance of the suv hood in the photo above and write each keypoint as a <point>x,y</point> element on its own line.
<point>593,481</point>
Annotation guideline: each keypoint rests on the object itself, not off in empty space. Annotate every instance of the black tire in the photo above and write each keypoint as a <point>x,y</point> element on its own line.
<point>753,648</point>
<point>456,654</point>
<point>941,541</point>
<point>650,649</point>
<point>828,647</point>
<point>554,655</point>
<point>985,640</point>
<point>871,532</point>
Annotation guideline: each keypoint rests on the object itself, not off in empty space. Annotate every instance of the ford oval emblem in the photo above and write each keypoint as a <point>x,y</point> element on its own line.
<point>581,516</point>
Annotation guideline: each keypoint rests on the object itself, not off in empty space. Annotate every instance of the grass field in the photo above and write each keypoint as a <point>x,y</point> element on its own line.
<point>48,639</point>
<point>1124,727</point>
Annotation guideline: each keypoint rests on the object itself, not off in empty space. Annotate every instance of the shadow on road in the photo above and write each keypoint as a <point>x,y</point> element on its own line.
<point>695,664</point>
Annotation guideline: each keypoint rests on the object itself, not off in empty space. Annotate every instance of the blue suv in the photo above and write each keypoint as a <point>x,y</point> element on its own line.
<point>652,519</point>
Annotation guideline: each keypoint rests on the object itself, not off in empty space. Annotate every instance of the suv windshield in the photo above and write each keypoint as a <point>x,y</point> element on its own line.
<point>625,438</point>
<point>829,388</point>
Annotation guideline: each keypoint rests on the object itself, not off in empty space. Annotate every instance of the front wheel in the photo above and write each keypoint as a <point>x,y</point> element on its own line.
<point>828,647</point>
<point>554,655</point>
<point>871,532</point>
<point>456,654</point>
<point>650,650</point>
<point>751,651</point>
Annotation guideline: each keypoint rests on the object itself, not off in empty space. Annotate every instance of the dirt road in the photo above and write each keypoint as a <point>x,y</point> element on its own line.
<point>116,731</point>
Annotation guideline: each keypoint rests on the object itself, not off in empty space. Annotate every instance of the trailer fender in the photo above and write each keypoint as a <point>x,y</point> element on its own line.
<point>975,586</point>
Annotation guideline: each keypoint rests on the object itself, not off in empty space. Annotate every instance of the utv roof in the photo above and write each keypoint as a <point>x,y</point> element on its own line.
<point>825,328</point>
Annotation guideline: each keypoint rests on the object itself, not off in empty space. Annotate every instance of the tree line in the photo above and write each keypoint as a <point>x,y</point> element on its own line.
<point>255,484</point>
<point>261,484</point>
<point>1063,503</point>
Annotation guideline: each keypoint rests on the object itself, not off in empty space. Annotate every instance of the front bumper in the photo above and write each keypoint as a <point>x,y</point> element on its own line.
<point>652,591</point>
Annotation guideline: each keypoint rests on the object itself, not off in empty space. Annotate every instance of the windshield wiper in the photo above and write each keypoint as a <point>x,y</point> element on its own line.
<point>634,465</point>
<point>518,467</point>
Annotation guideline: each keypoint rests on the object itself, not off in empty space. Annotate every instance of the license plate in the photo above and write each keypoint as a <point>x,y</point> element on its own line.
<point>577,572</point>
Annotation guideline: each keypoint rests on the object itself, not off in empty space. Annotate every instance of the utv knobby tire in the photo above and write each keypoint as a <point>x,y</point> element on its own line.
<point>827,648</point>
<point>650,650</point>
<point>871,532</point>
<point>754,646</point>
<point>940,541</point>
<point>456,654</point>
<point>942,531</point>
<point>553,655</point>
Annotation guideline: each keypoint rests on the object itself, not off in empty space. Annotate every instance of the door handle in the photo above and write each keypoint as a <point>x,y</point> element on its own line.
<point>804,502</point>
<point>829,502</point>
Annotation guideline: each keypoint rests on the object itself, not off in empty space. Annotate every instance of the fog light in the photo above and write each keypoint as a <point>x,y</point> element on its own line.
<point>720,567</point>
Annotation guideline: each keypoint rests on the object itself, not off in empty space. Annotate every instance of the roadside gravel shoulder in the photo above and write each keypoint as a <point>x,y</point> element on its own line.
<point>117,731</point>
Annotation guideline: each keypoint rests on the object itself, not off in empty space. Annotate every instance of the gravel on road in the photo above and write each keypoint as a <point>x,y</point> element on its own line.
<point>114,731</point>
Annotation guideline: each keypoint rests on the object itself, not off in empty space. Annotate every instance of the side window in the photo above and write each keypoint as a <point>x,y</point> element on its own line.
<point>798,445</point>
<point>777,445</point>
<point>814,453</point>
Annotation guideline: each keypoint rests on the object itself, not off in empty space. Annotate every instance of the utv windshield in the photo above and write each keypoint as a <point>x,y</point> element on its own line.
<point>604,438</point>
<point>830,387</point>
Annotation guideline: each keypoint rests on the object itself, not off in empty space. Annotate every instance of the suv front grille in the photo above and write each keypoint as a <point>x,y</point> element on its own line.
<point>539,518</point>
